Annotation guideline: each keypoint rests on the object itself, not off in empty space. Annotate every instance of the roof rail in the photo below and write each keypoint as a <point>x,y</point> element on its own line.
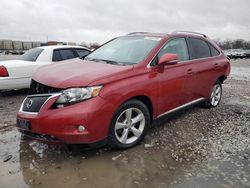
<point>191,32</point>
<point>133,33</point>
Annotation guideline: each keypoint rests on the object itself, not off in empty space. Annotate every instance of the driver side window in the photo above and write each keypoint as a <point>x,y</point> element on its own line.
<point>176,46</point>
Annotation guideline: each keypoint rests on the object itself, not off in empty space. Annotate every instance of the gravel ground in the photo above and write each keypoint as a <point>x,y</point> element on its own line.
<point>194,148</point>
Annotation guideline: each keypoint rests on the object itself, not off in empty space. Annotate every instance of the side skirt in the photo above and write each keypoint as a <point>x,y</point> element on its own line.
<point>182,107</point>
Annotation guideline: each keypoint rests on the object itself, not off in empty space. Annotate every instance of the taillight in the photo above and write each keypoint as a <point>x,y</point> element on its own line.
<point>3,71</point>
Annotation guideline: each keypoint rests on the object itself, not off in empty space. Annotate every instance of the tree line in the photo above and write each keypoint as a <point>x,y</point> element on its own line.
<point>233,44</point>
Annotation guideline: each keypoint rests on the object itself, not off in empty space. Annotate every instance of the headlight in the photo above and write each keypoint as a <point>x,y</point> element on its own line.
<point>78,94</point>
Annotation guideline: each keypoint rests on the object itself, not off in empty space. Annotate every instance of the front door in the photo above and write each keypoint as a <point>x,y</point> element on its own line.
<point>175,81</point>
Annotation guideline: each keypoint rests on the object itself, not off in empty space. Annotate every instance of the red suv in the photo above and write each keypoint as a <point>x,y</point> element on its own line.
<point>119,89</point>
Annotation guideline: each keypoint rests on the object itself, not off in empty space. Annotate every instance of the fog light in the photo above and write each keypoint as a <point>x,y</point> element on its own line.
<point>81,128</point>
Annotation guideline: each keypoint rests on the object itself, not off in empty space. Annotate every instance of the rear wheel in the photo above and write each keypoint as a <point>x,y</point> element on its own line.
<point>129,125</point>
<point>215,96</point>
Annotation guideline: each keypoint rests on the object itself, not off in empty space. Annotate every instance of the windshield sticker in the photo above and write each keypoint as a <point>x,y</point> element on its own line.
<point>152,38</point>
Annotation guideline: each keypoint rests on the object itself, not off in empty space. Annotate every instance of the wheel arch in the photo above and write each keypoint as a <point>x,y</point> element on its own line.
<point>147,101</point>
<point>136,99</point>
<point>222,78</point>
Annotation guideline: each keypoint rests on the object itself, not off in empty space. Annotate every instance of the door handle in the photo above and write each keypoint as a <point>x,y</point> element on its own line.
<point>216,66</point>
<point>190,71</point>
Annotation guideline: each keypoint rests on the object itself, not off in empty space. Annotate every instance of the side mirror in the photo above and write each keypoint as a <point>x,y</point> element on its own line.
<point>168,59</point>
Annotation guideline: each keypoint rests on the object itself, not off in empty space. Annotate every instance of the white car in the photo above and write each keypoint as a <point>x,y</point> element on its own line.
<point>16,74</point>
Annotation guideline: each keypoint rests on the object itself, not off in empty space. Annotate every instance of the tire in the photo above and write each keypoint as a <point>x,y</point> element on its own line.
<point>215,96</point>
<point>24,137</point>
<point>129,125</point>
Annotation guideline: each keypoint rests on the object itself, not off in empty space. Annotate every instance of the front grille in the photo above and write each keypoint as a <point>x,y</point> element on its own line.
<point>37,96</point>
<point>34,104</point>
<point>37,88</point>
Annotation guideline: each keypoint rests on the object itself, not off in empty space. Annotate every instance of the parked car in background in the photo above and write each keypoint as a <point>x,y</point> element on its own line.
<point>247,52</point>
<point>16,74</point>
<point>228,53</point>
<point>121,87</point>
<point>237,53</point>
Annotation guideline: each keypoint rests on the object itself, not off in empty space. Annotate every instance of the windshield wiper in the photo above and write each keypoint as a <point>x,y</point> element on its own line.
<point>107,61</point>
<point>91,59</point>
<point>110,62</point>
<point>115,62</point>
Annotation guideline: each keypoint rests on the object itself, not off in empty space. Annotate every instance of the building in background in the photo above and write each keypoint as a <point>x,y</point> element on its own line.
<point>19,47</point>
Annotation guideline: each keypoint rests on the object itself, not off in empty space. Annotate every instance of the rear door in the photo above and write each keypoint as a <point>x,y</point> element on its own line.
<point>175,82</point>
<point>205,61</point>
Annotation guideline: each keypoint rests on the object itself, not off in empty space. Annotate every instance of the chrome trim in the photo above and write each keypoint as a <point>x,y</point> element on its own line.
<point>182,106</point>
<point>38,95</point>
<point>44,95</point>
<point>13,78</point>
<point>190,32</point>
<point>180,62</point>
<point>134,33</point>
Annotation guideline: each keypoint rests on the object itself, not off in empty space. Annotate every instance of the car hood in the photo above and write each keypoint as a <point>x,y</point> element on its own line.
<point>72,73</point>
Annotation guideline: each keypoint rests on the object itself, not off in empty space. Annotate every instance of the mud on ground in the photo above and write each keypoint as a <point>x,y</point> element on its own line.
<point>195,148</point>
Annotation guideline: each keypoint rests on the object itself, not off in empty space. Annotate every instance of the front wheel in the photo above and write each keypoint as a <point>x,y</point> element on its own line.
<point>129,125</point>
<point>215,96</point>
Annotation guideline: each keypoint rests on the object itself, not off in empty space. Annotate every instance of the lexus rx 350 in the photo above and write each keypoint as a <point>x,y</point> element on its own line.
<point>114,94</point>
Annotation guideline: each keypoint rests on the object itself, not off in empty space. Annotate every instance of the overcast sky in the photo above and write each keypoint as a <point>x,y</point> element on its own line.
<point>101,20</point>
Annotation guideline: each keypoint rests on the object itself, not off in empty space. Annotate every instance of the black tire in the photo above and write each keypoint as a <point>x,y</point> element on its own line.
<point>209,102</point>
<point>24,137</point>
<point>113,141</point>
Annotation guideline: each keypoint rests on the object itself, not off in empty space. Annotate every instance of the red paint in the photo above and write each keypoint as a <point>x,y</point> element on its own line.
<point>167,87</point>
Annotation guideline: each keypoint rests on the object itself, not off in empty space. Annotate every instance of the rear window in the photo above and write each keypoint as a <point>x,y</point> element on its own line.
<point>214,51</point>
<point>31,55</point>
<point>198,48</point>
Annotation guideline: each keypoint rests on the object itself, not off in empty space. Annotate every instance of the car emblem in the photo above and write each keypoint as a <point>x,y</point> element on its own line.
<point>29,103</point>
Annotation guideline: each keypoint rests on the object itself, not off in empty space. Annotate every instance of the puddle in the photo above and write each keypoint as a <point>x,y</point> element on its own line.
<point>175,160</point>
<point>36,164</point>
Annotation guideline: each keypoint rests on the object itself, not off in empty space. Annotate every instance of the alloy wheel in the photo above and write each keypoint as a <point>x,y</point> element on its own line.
<point>216,95</point>
<point>129,125</point>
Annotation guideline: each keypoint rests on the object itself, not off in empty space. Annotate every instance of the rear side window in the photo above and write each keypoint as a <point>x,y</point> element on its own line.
<point>214,51</point>
<point>176,46</point>
<point>63,54</point>
<point>56,56</point>
<point>67,54</point>
<point>198,48</point>
<point>81,52</point>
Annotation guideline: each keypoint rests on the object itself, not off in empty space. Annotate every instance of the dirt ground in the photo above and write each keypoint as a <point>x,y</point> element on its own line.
<point>208,148</point>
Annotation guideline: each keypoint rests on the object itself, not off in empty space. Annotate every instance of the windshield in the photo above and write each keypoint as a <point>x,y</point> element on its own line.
<point>31,55</point>
<point>125,50</point>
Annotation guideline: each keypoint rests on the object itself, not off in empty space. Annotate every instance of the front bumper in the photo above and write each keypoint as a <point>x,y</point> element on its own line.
<point>60,124</point>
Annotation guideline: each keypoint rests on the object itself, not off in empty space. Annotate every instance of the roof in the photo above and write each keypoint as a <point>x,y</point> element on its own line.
<point>61,46</point>
<point>178,33</point>
<point>147,34</point>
